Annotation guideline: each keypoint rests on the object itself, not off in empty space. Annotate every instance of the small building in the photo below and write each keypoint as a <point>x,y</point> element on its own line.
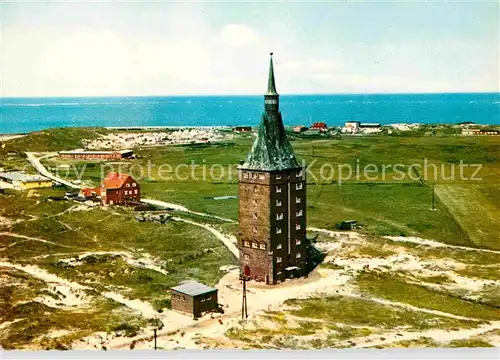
<point>369,125</point>
<point>194,298</point>
<point>21,181</point>
<point>480,132</point>
<point>351,127</point>
<point>119,189</point>
<point>243,129</point>
<point>299,128</point>
<point>471,132</point>
<point>89,193</point>
<point>369,128</point>
<point>81,154</point>
<point>321,126</point>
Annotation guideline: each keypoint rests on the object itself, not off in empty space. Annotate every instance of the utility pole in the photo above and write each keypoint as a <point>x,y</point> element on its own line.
<point>244,309</point>
<point>155,329</point>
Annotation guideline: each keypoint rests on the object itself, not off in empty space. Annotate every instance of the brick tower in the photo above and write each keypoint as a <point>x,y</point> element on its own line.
<point>272,201</point>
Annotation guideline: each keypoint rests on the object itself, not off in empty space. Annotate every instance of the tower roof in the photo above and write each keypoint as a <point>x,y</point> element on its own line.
<point>271,85</point>
<point>271,150</point>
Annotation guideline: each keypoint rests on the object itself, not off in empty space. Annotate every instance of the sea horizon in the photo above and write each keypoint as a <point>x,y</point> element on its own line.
<point>27,114</point>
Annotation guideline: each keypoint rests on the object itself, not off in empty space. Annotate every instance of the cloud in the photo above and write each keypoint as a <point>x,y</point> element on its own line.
<point>238,35</point>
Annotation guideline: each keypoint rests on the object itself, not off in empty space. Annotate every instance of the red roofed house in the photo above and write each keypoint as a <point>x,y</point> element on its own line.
<point>119,189</point>
<point>321,126</point>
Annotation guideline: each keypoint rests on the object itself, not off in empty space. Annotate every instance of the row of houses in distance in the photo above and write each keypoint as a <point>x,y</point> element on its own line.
<point>350,127</point>
<point>468,132</point>
<point>82,154</point>
<point>356,127</point>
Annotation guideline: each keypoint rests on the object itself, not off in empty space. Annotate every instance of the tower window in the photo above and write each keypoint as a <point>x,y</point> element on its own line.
<point>279,259</point>
<point>245,175</point>
<point>297,227</point>
<point>299,174</point>
<point>297,241</point>
<point>298,200</point>
<point>298,186</point>
<point>298,255</point>
<point>278,189</point>
<point>261,176</point>
<point>255,245</point>
<point>246,243</point>
<point>254,176</point>
<point>254,216</point>
<point>278,230</point>
<point>278,177</point>
<point>246,256</point>
<point>299,213</point>
<point>278,246</point>
<point>254,202</point>
<point>254,230</point>
<point>279,216</point>
<point>278,203</point>
<point>263,246</point>
<point>255,189</point>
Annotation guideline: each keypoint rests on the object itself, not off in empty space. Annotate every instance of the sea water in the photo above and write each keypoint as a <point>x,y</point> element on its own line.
<point>20,115</point>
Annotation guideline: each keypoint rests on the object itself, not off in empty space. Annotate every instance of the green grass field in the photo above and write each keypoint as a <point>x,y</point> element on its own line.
<point>386,201</point>
<point>466,214</point>
<point>476,208</point>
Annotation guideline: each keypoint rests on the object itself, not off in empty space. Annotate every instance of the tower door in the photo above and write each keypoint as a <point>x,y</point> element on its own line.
<point>247,270</point>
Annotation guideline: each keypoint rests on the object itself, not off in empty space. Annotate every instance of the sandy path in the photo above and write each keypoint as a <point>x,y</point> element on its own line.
<point>228,240</point>
<point>432,243</point>
<point>438,335</point>
<point>28,238</point>
<point>71,289</point>
<point>409,239</point>
<point>146,261</point>
<point>43,171</point>
<point>338,234</point>
<point>260,297</point>
<point>178,207</point>
<point>74,293</point>
<point>407,306</point>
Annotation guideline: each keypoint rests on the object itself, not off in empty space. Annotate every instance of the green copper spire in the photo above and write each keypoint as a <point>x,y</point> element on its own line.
<point>271,150</point>
<point>271,86</point>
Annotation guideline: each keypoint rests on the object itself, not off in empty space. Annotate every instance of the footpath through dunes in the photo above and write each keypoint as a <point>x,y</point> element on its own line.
<point>172,206</point>
<point>229,241</point>
<point>75,294</point>
<point>35,161</point>
<point>476,208</point>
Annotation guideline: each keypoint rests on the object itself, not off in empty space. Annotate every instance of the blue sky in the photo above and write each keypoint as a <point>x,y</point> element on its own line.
<point>172,48</point>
